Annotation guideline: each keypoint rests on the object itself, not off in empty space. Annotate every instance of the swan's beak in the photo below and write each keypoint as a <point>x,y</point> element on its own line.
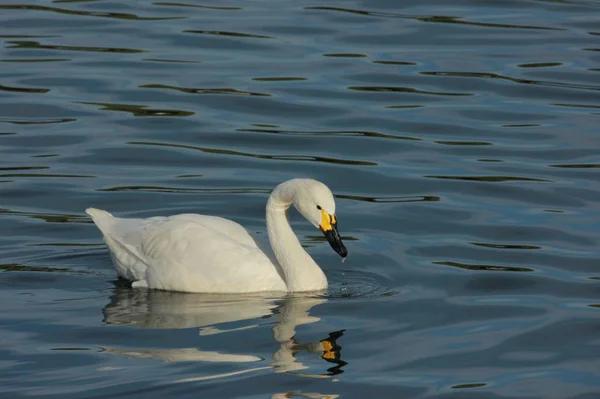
<point>329,228</point>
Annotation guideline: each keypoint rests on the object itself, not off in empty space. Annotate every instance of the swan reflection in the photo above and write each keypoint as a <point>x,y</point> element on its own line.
<point>173,310</point>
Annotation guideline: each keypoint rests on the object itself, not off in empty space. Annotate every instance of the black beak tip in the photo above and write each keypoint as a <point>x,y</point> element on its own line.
<point>336,241</point>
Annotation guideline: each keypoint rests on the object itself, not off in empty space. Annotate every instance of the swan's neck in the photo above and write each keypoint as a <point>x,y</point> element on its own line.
<point>300,270</point>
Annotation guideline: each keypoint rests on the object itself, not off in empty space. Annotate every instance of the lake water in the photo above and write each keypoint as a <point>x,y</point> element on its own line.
<point>461,140</point>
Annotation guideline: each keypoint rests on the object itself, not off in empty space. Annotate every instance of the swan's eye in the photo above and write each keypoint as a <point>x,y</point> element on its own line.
<point>318,207</point>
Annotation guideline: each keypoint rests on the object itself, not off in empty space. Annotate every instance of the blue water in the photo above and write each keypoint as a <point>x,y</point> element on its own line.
<point>460,138</point>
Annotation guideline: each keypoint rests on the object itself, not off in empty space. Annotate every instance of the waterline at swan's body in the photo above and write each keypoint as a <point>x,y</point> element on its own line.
<point>200,253</point>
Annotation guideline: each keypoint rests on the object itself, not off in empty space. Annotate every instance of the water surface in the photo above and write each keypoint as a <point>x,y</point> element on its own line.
<point>460,138</point>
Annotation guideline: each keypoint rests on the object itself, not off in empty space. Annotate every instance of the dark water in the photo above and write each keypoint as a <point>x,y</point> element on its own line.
<point>461,139</point>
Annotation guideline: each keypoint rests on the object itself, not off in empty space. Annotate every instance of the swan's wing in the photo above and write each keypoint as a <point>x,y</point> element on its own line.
<point>187,252</point>
<point>205,254</point>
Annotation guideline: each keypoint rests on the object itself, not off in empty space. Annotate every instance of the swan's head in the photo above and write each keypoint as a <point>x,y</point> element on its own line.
<point>315,202</point>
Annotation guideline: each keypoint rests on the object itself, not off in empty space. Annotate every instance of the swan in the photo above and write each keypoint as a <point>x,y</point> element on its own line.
<point>201,253</point>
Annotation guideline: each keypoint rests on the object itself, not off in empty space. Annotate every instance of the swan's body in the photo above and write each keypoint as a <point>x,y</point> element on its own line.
<point>200,253</point>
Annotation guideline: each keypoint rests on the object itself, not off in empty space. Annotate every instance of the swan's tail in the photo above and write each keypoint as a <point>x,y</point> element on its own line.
<point>121,237</point>
<point>101,218</point>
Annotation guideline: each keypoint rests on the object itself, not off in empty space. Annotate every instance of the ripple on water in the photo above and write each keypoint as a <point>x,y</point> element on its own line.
<point>348,283</point>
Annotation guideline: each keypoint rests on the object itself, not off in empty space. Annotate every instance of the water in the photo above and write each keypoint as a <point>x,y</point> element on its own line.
<point>461,140</point>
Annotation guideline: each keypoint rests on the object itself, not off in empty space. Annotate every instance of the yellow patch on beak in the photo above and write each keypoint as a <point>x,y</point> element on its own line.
<point>326,221</point>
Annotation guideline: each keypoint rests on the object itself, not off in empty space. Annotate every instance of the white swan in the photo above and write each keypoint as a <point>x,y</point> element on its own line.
<point>200,253</point>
